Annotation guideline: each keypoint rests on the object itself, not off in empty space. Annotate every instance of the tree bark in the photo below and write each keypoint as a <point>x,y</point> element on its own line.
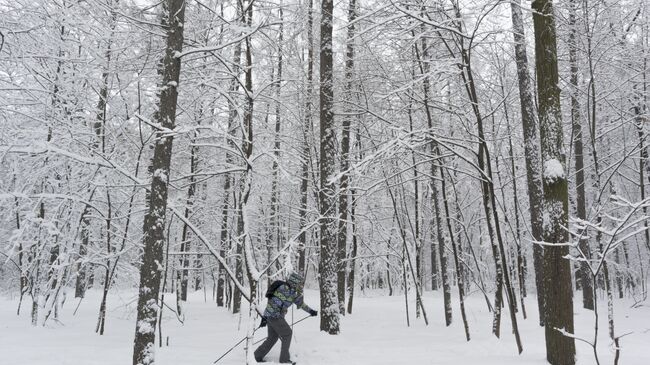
<point>345,156</point>
<point>243,241</point>
<point>584,274</point>
<point>459,277</point>
<point>173,18</point>
<point>558,298</point>
<point>353,253</point>
<point>437,211</point>
<point>531,150</point>
<point>306,155</point>
<point>227,179</point>
<point>101,321</point>
<point>275,193</point>
<point>489,198</point>
<point>186,236</point>
<point>326,195</point>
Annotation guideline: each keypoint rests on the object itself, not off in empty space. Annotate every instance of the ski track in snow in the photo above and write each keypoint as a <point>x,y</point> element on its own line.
<point>376,333</point>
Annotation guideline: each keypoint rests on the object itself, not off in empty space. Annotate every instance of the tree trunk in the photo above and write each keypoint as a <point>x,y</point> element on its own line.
<point>353,252</point>
<point>326,194</point>
<point>459,277</point>
<point>437,211</point>
<point>407,256</point>
<point>416,212</point>
<point>521,259</point>
<point>227,179</point>
<point>643,160</point>
<point>173,18</point>
<point>584,274</point>
<point>306,155</point>
<point>531,150</point>
<point>186,236</point>
<point>275,194</point>
<point>558,298</point>
<point>345,156</point>
<point>489,198</point>
<point>244,256</point>
<point>23,277</point>
<point>101,321</point>
<point>597,185</point>
<point>247,149</point>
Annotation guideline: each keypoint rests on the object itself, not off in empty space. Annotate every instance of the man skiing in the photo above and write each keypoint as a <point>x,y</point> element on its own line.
<point>280,297</point>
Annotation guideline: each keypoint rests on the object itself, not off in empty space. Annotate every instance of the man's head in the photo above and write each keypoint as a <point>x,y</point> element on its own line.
<point>295,280</point>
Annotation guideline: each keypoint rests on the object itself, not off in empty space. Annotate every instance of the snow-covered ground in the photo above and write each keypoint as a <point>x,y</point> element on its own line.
<point>376,333</point>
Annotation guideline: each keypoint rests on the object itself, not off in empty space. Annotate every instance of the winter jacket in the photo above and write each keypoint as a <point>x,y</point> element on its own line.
<point>282,299</point>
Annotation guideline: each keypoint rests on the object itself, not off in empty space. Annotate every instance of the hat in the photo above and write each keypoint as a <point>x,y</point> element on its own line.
<point>295,279</point>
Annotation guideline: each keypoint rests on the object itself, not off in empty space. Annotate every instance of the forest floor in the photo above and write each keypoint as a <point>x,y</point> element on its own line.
<point>376,333</point>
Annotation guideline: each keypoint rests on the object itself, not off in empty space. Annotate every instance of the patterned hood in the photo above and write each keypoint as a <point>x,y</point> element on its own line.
<point>295,280</point>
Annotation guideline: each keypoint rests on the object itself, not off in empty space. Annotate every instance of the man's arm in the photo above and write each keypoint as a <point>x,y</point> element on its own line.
<point>300,303</point>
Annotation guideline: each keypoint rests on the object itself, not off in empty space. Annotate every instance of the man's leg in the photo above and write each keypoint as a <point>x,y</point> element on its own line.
<point>266,346</point>
<point>284,332</point>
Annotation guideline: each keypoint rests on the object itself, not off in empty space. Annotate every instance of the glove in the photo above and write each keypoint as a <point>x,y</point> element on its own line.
<point>313,313</point>
<point>263,322</point>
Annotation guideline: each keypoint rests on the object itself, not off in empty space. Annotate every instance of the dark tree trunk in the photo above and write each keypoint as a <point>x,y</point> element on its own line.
<point>186,235</point>
<point>345,156</point>
<point>99,127</point>
<point>243,240</point>
<point>227,179</point>
<point>416,212</point>
<point>326,194</point>
<point>306,155</point>
<point>489,198</point>
<point>353,254</point>
<point>173,18</point>
<point>101,321</point>
<point>23,277</point>
<point>558,298</point>
<point>584,273</point>
<point>274,226</point>
<point>435,198</point>
<point>643,161</point>
<point>531,150</point>
<point>459,277</point>
<point>407,257</point>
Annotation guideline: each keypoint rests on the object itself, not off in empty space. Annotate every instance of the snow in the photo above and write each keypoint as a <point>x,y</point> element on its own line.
<point>161,174</point>
<point>553,170</point>
<point>375,334</point>
<point>145,327</point>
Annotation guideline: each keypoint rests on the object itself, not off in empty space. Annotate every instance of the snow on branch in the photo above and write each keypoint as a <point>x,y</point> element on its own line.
<point>39,148</point>
<point>209,49</point>
<point>623,229</point>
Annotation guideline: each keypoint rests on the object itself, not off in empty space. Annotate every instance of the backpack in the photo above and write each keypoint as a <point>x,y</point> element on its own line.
<point>273,287</point>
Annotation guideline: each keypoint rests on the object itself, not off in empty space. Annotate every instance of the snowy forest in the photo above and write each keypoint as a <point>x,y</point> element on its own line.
<point>458,181</point>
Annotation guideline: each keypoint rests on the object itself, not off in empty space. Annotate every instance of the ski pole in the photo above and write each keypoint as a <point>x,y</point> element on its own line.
<point>227,352</point>
<point>296,322</point>
<point>243,339</point>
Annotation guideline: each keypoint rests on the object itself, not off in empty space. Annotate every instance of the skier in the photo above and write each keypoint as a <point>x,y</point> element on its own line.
<point>280,297</point>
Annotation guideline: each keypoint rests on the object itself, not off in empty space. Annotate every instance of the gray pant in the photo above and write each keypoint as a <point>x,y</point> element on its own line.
<point>278,328</point>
